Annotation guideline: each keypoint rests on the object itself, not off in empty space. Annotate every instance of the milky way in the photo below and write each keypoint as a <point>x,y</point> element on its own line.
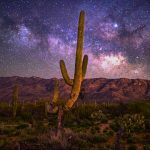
<point>35,35</point>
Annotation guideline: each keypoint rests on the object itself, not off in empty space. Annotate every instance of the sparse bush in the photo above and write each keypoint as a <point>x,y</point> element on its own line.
<point>98,138</point>
<point>115,125</point>
<point>142,107</point>
<point>26,116</point>
<point>3,142</point>
<point>15,101</point>
<point>109,133</point>
<point>147,125</point>
<point>132,123</point>
<point>4,110</point>
<point>85,111</point>
<point>99,116</point>
<point>146,147</point>
<point>132,147</point>
<point>22,126</point>
<point>93,130</point>
<point>8,131</point>
<point>130,139</point>
<point>80,143</point>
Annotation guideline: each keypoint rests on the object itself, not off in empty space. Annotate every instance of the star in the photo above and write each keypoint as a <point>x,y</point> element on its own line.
<point>115,25</point>
<point>35,35</point>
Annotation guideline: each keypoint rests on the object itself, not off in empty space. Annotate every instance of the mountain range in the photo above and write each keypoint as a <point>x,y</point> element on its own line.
<point>97,89</point>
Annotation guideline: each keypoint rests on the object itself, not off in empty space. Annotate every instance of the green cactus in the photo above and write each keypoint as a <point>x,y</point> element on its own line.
<point>14,100</point>
<point>80,66</point>
<point>80,71</point>
<point>56,91</point>
<point>132,123</point>
<point>55,101</point>
<point>98,116</point>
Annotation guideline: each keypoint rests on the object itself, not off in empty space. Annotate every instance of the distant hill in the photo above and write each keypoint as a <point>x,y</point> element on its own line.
<point>98,89</point>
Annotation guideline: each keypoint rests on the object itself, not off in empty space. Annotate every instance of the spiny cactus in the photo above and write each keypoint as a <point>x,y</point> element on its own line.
<point>14,100</point>
<point>55,102</point>
<point>80,66</point>
<point>132,123</point>
<point>80,71</point>
<point>56,91</point>
<point>98,116</point>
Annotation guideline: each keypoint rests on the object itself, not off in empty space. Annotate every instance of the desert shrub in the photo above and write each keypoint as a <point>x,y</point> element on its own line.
<point>84,111</point>
<point>5,109</point>
<point>22,126</point>
<point>8,131</point>
<point>69,117</point>
<point>52,119</point>
<point>110,146</point>
<point>114,125</point>
<point>147,125</point>
<point>132,147</point>
<point>97,138</point>
<point>39,125</point>
<point>142,107</point>
<point>26,116</point>
<point>132,123</point>
<point>146,147</point>
<point>35,109</point>
<point>97,128</point>
<point>3,142</point>
<point>93,130</point>
<point>113,110</point>
<point>54,145</point>
<point>130,139</point>
<point>147,137</point>
<point>79,143</point>
<point>109,133</point>
<point>99,116</point>
<point>70,120</point>
<point>102,147</point>
<point>82,144</point>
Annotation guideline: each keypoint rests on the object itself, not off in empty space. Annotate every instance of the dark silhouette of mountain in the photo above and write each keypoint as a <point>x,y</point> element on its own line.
<point>97,89</point>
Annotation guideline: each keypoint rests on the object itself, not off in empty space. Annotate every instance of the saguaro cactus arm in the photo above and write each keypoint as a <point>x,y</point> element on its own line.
<point>84,66</point>
<point>65,73</point>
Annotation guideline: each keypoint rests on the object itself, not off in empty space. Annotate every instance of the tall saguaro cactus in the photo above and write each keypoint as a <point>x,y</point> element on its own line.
<point>14,100</point>
<point>80,71</point>
<point>80,66</point>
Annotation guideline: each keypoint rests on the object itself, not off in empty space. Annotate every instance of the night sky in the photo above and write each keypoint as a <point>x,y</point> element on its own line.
<point>36,34</point>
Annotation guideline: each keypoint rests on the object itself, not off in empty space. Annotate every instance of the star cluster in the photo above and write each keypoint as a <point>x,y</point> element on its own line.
<point>35,35</point>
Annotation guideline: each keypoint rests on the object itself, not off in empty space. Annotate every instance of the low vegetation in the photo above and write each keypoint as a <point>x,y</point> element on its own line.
<point>86,126</point>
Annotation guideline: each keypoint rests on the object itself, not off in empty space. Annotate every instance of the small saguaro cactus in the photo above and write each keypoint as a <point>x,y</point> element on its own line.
<point>56,91</point>
<point>14,100</point>
<point>55,101</point>
<point>80,66</point>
